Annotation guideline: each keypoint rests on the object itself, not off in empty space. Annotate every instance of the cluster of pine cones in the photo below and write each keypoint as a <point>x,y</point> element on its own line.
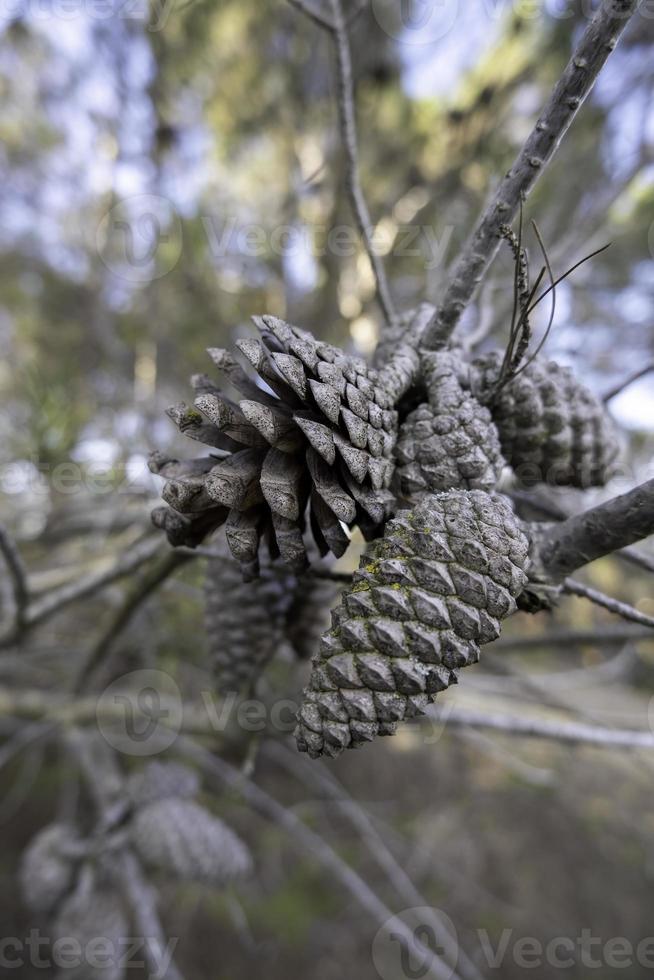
<point>71,881</point>
<point>412,455</point>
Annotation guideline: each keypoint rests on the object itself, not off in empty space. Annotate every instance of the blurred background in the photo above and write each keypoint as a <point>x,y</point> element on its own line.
<point>171,170</point>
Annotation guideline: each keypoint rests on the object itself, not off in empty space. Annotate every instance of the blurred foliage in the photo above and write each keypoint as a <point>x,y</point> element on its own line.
<point>222,112</point>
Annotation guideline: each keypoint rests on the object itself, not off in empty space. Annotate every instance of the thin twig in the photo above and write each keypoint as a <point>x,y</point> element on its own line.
<point>622,609</point>
<point>569,732</point>
<point>319,776</point>
<point>19,590</point>
<point>604,636</point>
<point>135,597</point>
<point>577,80</point>
<point>52,602</point>
<point>318,849</point>
<point>629,380</point>
<point>347,120</point>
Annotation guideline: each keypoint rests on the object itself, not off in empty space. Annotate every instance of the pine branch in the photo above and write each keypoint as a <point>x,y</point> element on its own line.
<point>622,609</point>
<point>569,732</point>
<point>318,775</point>
<point>589,56</point>
<point>38,610</point>
<point>549,509</point>
<point>597,532</point>
<point>317,848</point>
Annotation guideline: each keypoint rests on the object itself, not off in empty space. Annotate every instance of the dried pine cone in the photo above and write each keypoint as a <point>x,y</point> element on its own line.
<point>94,912</point>
<point>424,599</point>
<point>320,436</point>
<point>47,867</point>
<point>182,839</point>
<point>552,429</point>
<point>308,617</point>
<point>249,621</point>
<point>161,780</point>
<point>451,441</point>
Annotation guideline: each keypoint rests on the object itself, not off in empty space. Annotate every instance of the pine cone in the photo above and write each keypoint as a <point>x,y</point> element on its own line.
<point>182,839</point>
<point>451,441</point>
<point>309,615</point>
<point>323,439</point>
<point>94,911</point>
<point>161,780</point>
<point>47,868</point>
<point>424,599</point>
<point>552,429</point>
<point>280,607</point>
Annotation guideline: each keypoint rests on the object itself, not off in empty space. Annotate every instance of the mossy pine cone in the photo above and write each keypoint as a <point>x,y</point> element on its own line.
<point>424,599</point>
<point>182,839</point>
<point>552,428</point>
<point>249,621</point>
<point>451,440</point>
<point>318,440</point>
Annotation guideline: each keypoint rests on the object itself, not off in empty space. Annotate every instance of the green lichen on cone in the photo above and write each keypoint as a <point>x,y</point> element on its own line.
<point>449,441</point>
<point>425,598</point>
<point>316,441</point>
<point>552,428</point>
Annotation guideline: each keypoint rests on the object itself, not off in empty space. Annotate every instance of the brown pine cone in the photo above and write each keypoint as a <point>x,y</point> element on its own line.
<point>320,437</point>
<point>423,601</point>
<point>449,441</point>
<point>551,427</point>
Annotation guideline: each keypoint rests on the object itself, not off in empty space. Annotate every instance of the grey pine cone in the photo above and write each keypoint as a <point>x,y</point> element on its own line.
<point>161,780</point>
<point>552,428</point>
<point>450,441</point>
<point>47,867</point>
<point>182,839</point>
<point>321,442</point>
<point>247,622</point>
<point>94,911</point>
<point>426,597</point>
